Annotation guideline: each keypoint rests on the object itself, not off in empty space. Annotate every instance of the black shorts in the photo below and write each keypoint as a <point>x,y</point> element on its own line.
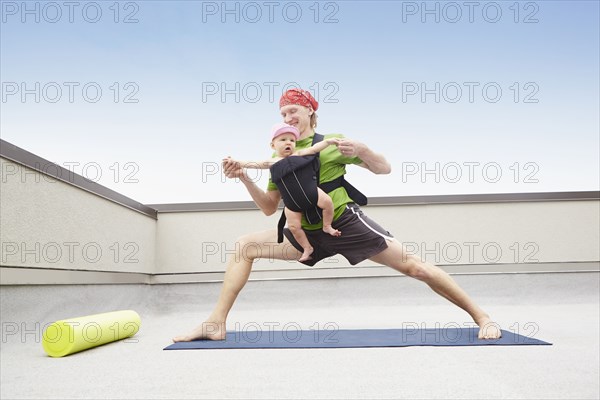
<point>361,238</point>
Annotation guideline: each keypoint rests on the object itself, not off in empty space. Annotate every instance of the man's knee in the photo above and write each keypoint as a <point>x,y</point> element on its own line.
<point>248,247</point>
<point>416,268</point>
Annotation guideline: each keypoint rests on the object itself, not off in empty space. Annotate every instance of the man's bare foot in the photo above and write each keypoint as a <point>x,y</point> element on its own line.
<point>488,329</point>
<point>306,255</point>
<point>333,232</point>
<point>205,331</point>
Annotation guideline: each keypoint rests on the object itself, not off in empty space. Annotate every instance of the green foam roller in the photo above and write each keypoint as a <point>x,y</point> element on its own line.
<point>72,335</point>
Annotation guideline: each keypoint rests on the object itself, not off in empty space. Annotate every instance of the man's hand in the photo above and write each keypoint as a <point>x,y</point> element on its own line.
<point>232,168</point>
<point>374,162</point>
<point>351,148</point>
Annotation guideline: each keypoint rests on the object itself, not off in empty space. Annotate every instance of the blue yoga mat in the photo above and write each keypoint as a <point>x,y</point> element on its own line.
<point>347,338</point>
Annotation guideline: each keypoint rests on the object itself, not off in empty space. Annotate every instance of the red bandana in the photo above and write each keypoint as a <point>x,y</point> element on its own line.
<point>299,97</point>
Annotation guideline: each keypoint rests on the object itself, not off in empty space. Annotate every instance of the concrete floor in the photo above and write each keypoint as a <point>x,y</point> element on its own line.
<point>562,308</point>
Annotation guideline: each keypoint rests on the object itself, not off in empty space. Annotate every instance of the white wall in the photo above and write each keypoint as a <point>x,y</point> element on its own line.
<point>50,224</point>
<point>446,234</point>
<point>47,223</point>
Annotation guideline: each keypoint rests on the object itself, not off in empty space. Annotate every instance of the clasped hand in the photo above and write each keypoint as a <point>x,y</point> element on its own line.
<point>350,148</point>
<point>232,168</point>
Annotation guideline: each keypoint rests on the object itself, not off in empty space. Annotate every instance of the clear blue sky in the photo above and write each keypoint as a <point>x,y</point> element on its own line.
<point>366,62</point>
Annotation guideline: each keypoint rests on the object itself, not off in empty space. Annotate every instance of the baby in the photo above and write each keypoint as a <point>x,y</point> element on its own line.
<point>283,141</point>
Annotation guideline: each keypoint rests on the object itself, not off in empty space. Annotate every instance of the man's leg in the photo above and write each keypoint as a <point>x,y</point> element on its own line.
<point>251,247</point>
<point>395,257</point>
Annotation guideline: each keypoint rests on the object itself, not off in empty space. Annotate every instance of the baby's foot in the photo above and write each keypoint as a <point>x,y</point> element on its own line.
<point>306,255</point>
<point>333,232</point>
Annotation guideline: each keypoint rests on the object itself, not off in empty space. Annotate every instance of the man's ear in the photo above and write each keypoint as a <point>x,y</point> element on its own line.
<point>273,145</point>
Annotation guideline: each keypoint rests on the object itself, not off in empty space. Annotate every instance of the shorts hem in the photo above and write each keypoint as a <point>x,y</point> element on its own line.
<point>370,254</point>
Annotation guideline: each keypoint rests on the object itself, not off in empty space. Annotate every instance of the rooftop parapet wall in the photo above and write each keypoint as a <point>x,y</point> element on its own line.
<point>50,225</point>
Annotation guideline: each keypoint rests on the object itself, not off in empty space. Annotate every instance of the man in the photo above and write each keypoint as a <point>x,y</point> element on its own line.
<point>362,239</point>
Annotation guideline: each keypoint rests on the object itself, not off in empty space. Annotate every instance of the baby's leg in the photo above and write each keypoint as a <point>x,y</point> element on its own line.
<point>326,204</point>
<point>294,223</point>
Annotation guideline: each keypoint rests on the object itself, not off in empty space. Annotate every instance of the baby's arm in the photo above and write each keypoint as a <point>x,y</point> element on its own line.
<point>265,164</point>
<point>318,147</point>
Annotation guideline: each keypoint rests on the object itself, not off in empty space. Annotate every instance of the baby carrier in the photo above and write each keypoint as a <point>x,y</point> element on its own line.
<point>297,178</point>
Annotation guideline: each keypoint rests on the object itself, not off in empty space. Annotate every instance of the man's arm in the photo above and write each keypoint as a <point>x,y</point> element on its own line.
<point>372,161</point>
<point>267,201</point>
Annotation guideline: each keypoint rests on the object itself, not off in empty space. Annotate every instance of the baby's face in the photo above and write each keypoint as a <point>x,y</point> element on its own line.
<point>284,145</point>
